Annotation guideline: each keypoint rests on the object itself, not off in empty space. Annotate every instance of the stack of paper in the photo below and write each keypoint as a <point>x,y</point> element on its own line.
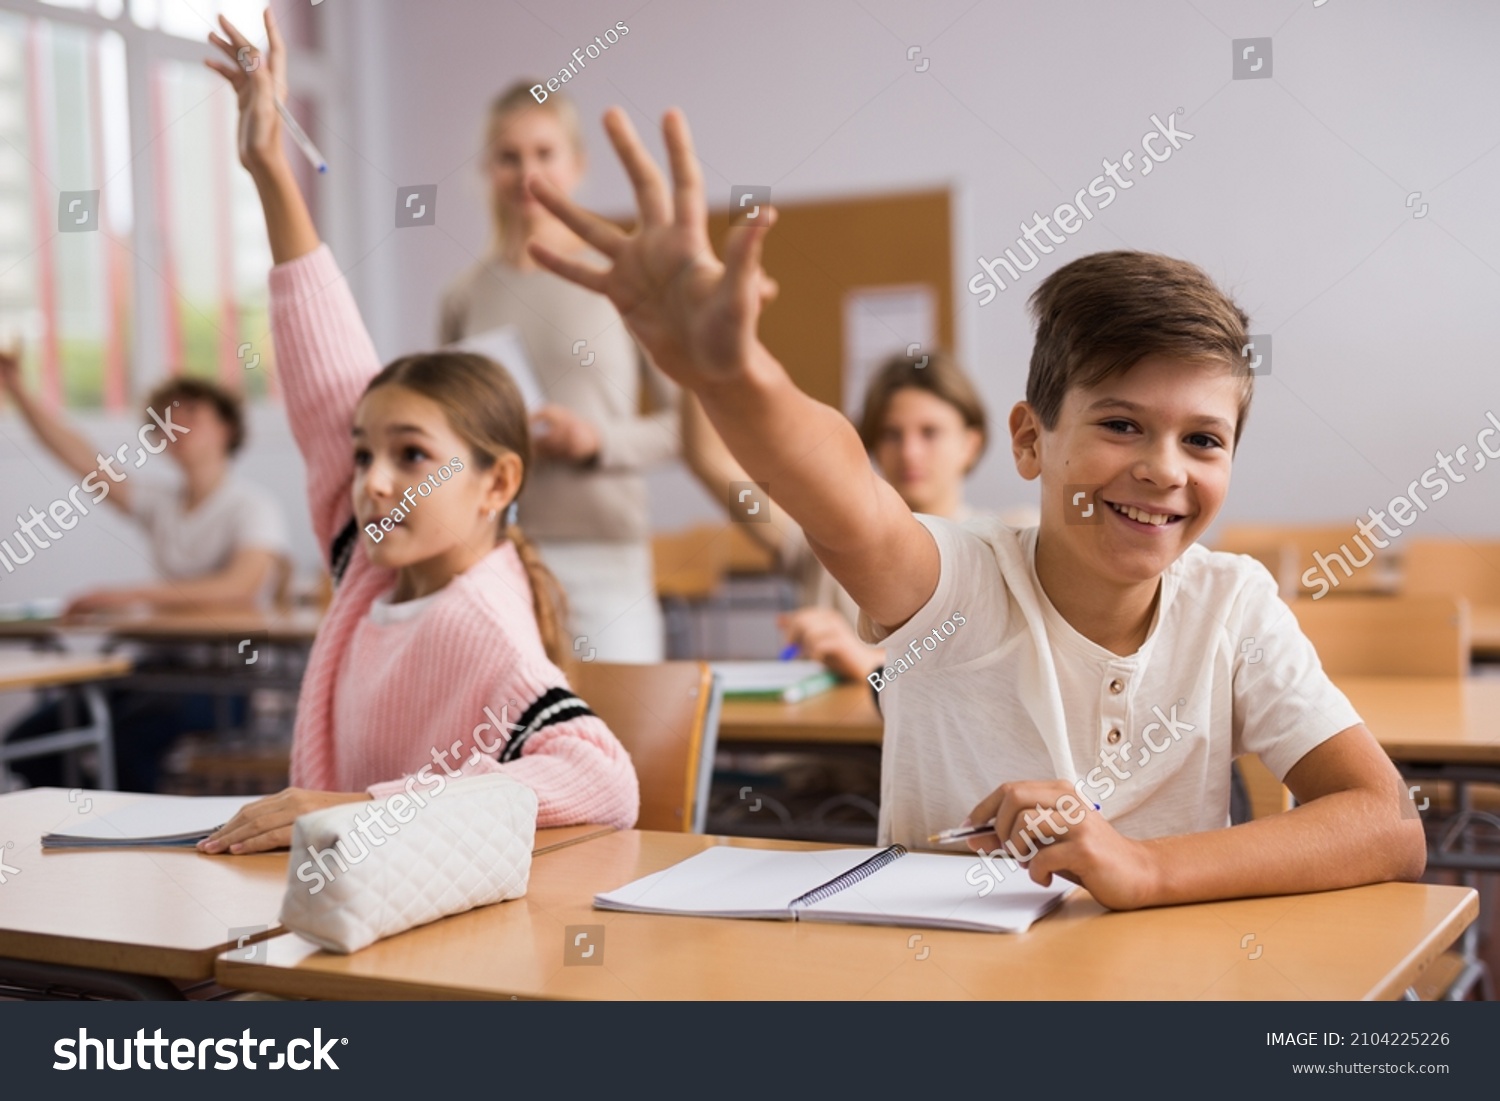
<point>162,821</point>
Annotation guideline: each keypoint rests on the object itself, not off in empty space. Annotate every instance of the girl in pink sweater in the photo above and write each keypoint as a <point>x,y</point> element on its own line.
<point>442,615</point>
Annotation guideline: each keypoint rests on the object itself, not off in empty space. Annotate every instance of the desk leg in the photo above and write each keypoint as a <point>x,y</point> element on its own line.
<point>99,720</point>
<point>97,732</point>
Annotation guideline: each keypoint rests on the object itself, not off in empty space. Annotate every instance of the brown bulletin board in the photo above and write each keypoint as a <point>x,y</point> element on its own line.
<point>819,251</point>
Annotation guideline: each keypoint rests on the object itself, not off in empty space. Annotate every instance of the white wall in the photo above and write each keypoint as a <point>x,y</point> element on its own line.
<point>1290,193</point>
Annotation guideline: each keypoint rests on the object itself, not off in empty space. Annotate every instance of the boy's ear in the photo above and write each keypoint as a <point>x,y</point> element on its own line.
<point>1026,440</point>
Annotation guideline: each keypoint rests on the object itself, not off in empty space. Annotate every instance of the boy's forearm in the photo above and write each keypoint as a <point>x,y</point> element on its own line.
<point>814,466</point>
<point>1343,839</point>
<point>717,471</point>
<point>808,454</point>
<point>289,224</point>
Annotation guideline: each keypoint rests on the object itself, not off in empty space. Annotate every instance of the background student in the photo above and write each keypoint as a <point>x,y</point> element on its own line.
<point>925,427</point>
<point>585,504</point>
<point>216,540</point>
<point>1136,390</point>
<point>440,609</point>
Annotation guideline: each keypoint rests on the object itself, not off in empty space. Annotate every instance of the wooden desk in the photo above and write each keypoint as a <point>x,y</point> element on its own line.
<point>1451,720</point>
<point>229,625</point>
<point>20,672</point>
<point>1414,718</point>
<point>1484,622</point>
<point>156,912</point>
<point>1370,942</point>
<point>845,715</point>
<point>160,912</point>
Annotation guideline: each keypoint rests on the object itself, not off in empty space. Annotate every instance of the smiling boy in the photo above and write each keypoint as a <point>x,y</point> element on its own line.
<point>1106,655</point>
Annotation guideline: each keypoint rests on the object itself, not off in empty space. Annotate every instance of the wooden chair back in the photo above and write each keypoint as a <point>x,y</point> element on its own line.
<point>1388,635</point>
<point>1324,554</point>
<point>1370,636</point>
<point>689,564</point>
<point>1468,568</point>
<point>667,716</point>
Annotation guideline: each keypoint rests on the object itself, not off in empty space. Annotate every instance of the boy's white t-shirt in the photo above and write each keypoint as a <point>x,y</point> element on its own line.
<point>187,544</point>
<point>1015,693</point>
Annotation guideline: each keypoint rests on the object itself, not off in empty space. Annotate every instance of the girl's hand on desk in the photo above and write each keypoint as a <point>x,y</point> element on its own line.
<point>560,433</point>
<point>822,634</point>
<point>1068,837</point>
<point>267,823</point>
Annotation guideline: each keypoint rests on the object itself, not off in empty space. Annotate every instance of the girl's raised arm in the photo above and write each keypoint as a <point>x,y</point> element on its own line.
<point>325,358</point>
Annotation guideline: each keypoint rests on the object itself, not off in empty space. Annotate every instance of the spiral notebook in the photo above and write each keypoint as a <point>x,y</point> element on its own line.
<point>863,886</point>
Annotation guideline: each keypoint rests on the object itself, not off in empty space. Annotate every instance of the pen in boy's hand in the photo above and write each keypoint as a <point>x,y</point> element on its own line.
<point>959,833</point>
<point>789,652</point>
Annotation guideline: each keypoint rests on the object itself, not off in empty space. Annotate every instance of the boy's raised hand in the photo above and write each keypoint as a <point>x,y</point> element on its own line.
<point>259,80</point>
<point>694,314</point>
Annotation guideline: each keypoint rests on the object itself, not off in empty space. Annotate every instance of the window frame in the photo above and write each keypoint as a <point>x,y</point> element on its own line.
<point>309,82</point>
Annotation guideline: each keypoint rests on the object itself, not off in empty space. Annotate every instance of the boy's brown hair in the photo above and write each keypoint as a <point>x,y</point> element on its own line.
<point>935,373</point>
<point>228,405</point>
<point>1100,315</point>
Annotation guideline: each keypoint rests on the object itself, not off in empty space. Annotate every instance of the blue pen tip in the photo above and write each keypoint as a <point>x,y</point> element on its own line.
<point>322,168</point>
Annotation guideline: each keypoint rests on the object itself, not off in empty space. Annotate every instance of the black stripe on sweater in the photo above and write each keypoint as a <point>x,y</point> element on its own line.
<point>556,705</point>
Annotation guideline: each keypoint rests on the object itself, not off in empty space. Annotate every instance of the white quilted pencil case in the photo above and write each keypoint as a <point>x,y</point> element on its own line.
<point>416,858</point>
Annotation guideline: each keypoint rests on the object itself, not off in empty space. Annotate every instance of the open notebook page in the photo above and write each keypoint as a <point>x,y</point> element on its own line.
<point>930,889</point>
<point>153,818</point>
<point>729,882</point>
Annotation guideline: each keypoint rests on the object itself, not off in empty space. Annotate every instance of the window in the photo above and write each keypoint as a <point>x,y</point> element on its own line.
<point>131,241</point>
<point>213,240</point>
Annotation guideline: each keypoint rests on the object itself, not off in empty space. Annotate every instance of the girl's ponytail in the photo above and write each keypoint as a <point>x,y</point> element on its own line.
<point>547,598</point>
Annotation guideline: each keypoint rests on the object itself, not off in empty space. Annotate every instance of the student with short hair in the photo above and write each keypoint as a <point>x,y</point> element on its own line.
<point>217,539</point>
<point>1080,687</point>
<point>443,620</point>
